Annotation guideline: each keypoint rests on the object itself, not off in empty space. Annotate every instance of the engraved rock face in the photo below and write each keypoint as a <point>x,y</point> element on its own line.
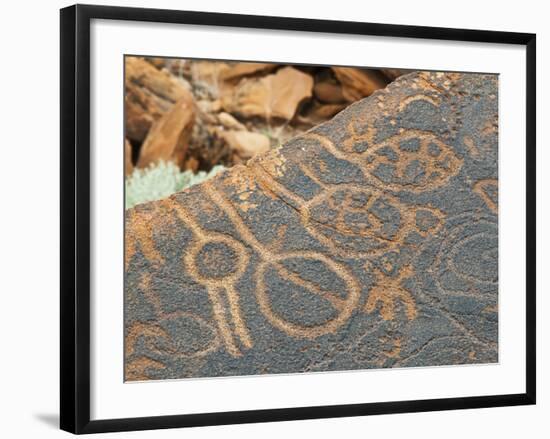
<point>370,241</point>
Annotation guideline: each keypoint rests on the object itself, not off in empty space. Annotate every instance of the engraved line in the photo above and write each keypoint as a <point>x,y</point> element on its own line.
<point>277,188</point>
<point>240,328</point>
<point>225,330</point>
<point>334,299</point>
<point>235,218</point>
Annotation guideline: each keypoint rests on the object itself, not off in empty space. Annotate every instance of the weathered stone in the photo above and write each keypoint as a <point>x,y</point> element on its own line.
<point>317,113</point>
<point>159,63</point>
<point>245,144</point>
<point>168,139</point>
<point>359,83</point>
<point>149,94</point>
<point>209,107</point>
<point>240,69</point>
<point>329,92</point>
<point>214,72</point>
<point>393,74</point>
<point>229,122</point>
<point>128,164</point>
<point>273,96</point>
<point>370,241</point>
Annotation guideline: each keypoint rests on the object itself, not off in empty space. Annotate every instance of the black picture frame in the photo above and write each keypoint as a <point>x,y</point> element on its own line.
<point>75,217</point>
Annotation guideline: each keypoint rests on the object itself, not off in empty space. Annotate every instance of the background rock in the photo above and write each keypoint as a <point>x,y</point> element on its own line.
<point>168,139</point>
<point>393,74</point>
<point>240,69</point>
<point>359,83</point>
<point>230,122</point>
<point>128,165</point>
<point>328,90</point>
<point>274,96</point>
<point>246,144</point>
<point>273,100</point>
<point>149,93</point>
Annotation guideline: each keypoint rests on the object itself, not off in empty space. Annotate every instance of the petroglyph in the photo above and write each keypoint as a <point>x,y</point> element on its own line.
<point>387,292</point>
<point>488,190</point>
<point>367,242</point>
<point>217,262</point>
<point>271,258</point>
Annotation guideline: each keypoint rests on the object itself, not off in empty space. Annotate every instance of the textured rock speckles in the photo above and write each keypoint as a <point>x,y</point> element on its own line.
<point>368,242</point>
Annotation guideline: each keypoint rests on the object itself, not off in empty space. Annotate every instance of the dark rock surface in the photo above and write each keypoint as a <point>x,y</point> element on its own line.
<point>368,242</point>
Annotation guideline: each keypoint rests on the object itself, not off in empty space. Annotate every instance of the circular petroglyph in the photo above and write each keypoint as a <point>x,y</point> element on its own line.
<point>343,303</point>
<point>468,257</point>
<point>216,260</point>
<point>476,257</point>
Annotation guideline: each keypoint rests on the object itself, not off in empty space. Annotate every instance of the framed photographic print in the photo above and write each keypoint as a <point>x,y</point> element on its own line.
<point>267,218</point>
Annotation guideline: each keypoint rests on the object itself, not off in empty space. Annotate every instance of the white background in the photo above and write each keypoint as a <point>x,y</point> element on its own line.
<point>29,181</point>
<point>112,398</point>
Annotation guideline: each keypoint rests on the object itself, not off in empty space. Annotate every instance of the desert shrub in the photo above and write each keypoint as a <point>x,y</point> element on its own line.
<point>161,180</point>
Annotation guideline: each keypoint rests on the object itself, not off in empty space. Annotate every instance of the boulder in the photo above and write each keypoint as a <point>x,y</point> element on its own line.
<point>240,69</point>
<point>229,122</point>
<point>359,83</point>
<point>329,92</point>
<point>370,241</point>
<point>246,144</point>
<point>317,113</point>
<point>274,96</point>
<point>168,139</point>
<point>149,94</point>
<point>128,164</point>
<point>214,72</point>
<point>393,74</point>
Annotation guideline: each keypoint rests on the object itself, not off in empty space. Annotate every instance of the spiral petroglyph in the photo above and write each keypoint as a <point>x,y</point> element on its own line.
<point>369,241</point>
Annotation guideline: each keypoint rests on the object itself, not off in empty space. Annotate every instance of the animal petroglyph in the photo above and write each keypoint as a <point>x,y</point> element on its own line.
<point>366,242</point>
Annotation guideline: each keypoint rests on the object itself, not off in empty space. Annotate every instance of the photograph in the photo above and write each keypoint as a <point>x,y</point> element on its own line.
<point>298,218</point>
<point>266,220</point>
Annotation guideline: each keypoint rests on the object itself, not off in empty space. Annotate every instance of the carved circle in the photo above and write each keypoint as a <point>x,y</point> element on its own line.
<point>216,260</point>
<point>468,258</point>
<point>296,330</point>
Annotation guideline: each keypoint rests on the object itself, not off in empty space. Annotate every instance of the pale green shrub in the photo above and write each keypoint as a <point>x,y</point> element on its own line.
<point>161,180</point>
